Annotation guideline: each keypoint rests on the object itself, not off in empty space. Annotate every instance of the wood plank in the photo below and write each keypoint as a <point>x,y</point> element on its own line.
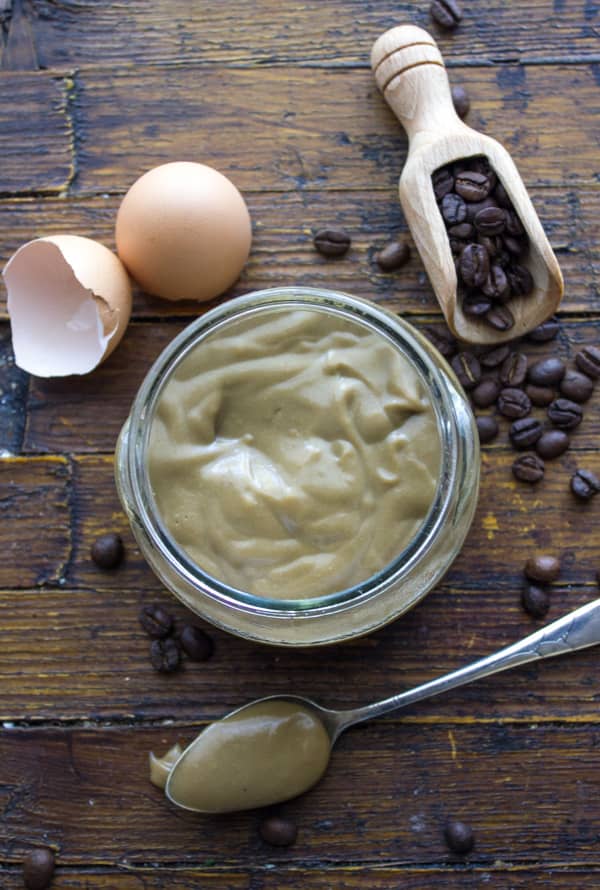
<point>278,876</point>
<point>385,799</point>
<point>36,133</point>
<point>35,527</point>
<point>62,414</point>
<point>14,384</point>
<point>267,124</point>
<point>282,251</point>
<point>332,33</point>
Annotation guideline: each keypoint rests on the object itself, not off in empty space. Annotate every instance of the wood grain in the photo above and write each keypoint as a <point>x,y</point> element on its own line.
<point>282,250</point>
<point>313,33</point>
<point>389,789</point>
<point>266,125</point>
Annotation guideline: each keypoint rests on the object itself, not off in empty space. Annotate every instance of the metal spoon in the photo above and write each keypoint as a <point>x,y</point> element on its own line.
<point>283,763</point>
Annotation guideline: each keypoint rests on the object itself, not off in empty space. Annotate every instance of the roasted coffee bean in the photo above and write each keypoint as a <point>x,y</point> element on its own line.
<point>545,331</point>
<point>474,265</point>
<point>585,484</point>
<point>501,318</point>
<point>156,621</point>
<point>446,13</point>
<point>588,361</point>
<point>485,393</point>
<point>332,242</point>
<point>462,230</point>
<point>494,357</point>
<point>278,832</point>
<point>501,196</point>
<point>540,396</point>
<point>107,551</point>
<point>565,414</point>
<point>546,372</point>
<point>476,304</point>
<point>476,206</point>
<point>535,600</point>
<point>513,245</point>
<point>490,220</point>
<point>459,837</point>
<point>542,567</point>
<point>393,256</point>
<point>552,444</point>
<point>528,468</point>
<point>513,224</point>
<point>165,655</point>
<point>491,244</point>
<point>525,432</point>
<point>473,187</point>
<point>454,209</point>
<point>442,339</point>
<point>520,280</point>
<point>496,285</point>
<point>467,369</point>
<point>461,101</point>
<point>38,869</point>
<point>513,369</point>
<point>443,183</point>
<point>487,427</point>
<point>513,403</point>
<point>196,643</point>
<point>576,386</point>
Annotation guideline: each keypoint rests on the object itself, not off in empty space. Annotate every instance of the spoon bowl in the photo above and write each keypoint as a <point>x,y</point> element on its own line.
<point>278,747</point>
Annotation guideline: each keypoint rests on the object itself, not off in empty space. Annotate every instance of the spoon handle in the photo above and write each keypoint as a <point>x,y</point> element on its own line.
<point>576,630</point>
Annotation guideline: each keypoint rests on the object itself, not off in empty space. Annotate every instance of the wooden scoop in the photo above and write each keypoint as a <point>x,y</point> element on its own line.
<point>410,72</point>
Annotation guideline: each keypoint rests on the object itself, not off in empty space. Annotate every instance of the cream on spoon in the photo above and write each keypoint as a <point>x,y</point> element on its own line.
<point>278,747</point>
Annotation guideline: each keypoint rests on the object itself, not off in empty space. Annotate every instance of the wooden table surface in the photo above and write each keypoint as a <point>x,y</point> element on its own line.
<point>280,97</point>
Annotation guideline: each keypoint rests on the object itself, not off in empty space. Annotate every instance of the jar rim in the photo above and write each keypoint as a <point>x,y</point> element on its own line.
<point>401,335</point>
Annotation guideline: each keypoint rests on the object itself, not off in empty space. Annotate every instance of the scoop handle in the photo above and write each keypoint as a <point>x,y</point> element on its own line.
<point>410,72</point>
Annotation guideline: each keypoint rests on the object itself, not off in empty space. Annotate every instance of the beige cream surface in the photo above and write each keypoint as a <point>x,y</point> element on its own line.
<point>294,456</point>
<point>267,752</point>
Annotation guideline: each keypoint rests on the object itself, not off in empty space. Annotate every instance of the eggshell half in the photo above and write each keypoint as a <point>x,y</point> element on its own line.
<point>69,302</point>
<point>183,231</point>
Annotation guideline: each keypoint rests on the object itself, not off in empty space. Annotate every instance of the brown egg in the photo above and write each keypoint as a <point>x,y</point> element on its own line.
<point>69,301</point>
<point>183,231</point>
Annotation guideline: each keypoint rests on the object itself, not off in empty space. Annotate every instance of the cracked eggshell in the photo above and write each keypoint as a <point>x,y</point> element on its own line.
<point>69,302</point>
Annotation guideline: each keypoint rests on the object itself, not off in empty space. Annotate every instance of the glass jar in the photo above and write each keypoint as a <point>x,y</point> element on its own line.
<point>347,613</point>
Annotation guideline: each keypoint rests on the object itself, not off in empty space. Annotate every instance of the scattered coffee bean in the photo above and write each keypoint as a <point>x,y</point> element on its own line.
<point>38,869</point>
<point>540,396</point>
<point>446,13</point>
<point>528,468</point>
<point>565,414</point>
<point>513,403</point>
<point>485,393</point>
<point>588,361</point>
<point>552,444</point>
<point>525,432</point>
<point>461,101</point>
<point>542,567</point>
<point>459,837</point>
<point>545,331</point>
<point>576,386</point>
<point>442,339</point>
<point>513,369</point>
<point>196,643</point>
<point>585,484</point>
<point>546,372</point>
<point>165,655</point>
<point>156,621</point>
<point>278,832</point>
<point>495,356</point>
<point>393,256</point>
<point>332,242</point>
<point>487,427</point>
<point>107,551</point>
<point>467,369</point>
<point>535,600</point>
